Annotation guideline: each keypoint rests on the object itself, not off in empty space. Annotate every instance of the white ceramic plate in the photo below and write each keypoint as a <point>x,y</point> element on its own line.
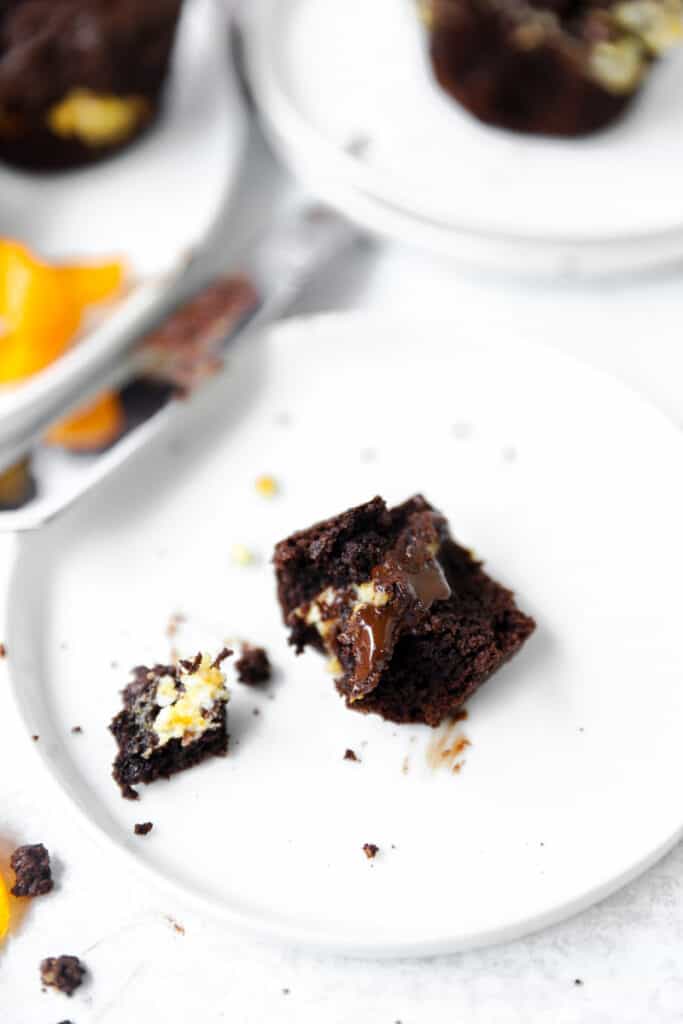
<point>330,75</point>
<point>556,474</point>
<point>157,200</point>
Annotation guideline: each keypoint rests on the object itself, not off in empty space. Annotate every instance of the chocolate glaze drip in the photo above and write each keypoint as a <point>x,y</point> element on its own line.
<point>374,628</point>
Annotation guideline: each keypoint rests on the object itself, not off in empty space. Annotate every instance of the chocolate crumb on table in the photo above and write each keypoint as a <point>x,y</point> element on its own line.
<point>65,973</point>
<point>351,755</point>
<point>3,651</point>
<point>77,729</point>
<point>253,667</point>
<point>35,737</point>
<point>143,828</point>
<point>173,717</point>
<point>408,618</point>
<point>370,850</point>
<point>33,874</point>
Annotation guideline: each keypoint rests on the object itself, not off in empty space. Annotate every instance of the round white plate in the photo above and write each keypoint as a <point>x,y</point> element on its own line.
<point>558,476</point>
<point>157,200</point>
<point>350,99</point>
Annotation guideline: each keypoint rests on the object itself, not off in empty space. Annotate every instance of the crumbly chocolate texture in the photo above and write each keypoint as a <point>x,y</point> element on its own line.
<point>143,828</point>
<point>253,667</point>
<point>412,621</point>
<point>65,973</point>
<point>554,67</point>
<point>144,755</point>
<point>370,850</point>
<point>33,875</point>
<point>52,53</point>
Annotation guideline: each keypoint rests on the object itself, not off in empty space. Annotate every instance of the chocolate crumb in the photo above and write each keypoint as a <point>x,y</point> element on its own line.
<point>35,738</point>
<point>77,729</point>
<point>3,651</point>
<point>143,828</point>
<point>253,667</point>
<point>220,658</point>
<point>192,664</point>
<point>31,866</point>
<point>351,755</point>
<point>370,850</point>
<point>65,973</point>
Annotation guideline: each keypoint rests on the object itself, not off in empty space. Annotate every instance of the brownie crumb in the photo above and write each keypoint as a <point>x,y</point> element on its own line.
<point>77,729</point>
<point>254,666</point>
<point>143,828</point>
<point>65,973</point>
<point>31,866</point>
<point>351,755</point>
<point>370,850</point>
<point>3,651</point>
<point>35,738</point>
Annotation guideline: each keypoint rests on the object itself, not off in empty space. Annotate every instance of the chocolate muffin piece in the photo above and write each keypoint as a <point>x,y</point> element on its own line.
<point>412,623</point>
<point>555,67</point>
<point>173,717</point>
<point>80,79</point>
<point>31,867</point>
<point>253,667</point>
<point>65,973</point>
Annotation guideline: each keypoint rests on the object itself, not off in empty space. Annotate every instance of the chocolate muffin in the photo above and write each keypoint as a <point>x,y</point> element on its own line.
<point>411,622</point>
<point>80,79</point>
<point>554,67</point>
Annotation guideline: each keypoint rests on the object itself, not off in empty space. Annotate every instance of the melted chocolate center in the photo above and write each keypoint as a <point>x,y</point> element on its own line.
<point>376,627</point>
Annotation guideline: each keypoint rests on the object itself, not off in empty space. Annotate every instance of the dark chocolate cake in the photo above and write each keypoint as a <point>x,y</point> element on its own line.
<point>410,619</point>
<point>556,67</point>
<point>173,717</point>
<point>80,79</point>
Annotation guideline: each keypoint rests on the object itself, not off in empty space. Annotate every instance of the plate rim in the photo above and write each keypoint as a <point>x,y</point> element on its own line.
<point>271,927</point>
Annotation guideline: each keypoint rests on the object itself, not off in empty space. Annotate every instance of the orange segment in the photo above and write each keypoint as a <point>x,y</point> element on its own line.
<point>94,283</point>
<point>91,428</point>
<point>4,909</point>
<point>41,307</point>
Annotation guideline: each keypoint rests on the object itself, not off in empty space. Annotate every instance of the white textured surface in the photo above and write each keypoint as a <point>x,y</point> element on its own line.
<point>626,951</point>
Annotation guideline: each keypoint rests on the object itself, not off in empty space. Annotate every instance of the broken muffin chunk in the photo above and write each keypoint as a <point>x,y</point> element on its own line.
<point>411,622</point>
<point>173,717</point>
<point>556,67</point>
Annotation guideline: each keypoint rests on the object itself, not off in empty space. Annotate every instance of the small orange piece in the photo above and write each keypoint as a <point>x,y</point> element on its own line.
<point>4,909</point>
<point>41,307</point>
<point>94,283</point>
<point>91,428</point>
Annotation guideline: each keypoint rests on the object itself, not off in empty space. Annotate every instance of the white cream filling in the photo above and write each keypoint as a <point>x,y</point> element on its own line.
<point>181,712</point>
